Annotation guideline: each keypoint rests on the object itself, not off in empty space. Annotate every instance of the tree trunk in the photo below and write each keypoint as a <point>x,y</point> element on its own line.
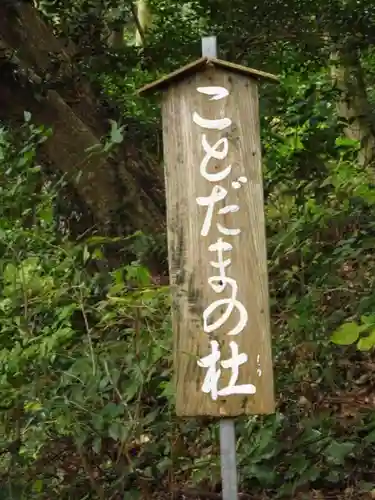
<point>124,191</point>
<point>353,105</point>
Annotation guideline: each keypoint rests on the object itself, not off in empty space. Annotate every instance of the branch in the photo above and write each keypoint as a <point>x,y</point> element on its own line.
<point>138,24</point>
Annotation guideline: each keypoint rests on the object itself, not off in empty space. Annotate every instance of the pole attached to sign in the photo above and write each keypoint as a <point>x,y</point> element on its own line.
<point>217,245</point>
<point>227,426</point>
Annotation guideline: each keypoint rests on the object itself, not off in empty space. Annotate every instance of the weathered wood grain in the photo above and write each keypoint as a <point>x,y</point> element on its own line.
<point>189,257</point>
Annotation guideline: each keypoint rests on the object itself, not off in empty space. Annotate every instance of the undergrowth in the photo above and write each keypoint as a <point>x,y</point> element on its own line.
<point>87,400</point>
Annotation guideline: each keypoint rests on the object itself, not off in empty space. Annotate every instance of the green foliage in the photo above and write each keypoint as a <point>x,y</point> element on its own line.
<point>362,334</point>
<point>85,355</point>
<point>77,369</point>
<point>86,371</point>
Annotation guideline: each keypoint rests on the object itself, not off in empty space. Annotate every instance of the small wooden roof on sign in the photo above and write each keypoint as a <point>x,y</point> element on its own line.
<point>200,65</point>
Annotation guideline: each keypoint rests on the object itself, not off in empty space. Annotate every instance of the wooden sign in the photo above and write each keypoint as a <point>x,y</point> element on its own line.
<point>216,239</point>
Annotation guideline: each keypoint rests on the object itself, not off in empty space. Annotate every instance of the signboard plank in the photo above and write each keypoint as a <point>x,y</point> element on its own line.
<point>217,251</point>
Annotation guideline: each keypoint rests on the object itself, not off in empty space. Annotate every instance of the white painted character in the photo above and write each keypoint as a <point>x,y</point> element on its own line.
<point>218,193</point>
<point>214,152</point>
<point>216,124</point>
<point>217,93</point>
<point>218,284</point>
<point>211,380</point>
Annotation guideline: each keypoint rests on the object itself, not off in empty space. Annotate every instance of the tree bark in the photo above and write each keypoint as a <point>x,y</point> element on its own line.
<point>353,105</point>
<point>124,190</point>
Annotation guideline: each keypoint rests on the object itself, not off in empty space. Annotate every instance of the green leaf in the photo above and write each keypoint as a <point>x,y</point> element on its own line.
<point>116,133</point>
<point>33,406</point>
<point>164,464</point>
<point>143,276</point>
<point>114,431</point>
<point>113,410</point>
<point>337,452</point>
<point>96,148</point>
<point>346,334</point>
<point>102,239</point>
<point>265,437</point>
<point>346,142</point>
<point>38,486</point>
<point>10,273</point>
<point>367,343</point>
<point>46,214</point>
<point>368,320</point>
<point>97,444</point>
<point>98,254</point>
<point>86,254</point>
<point>327,182</point>
<point>27,116</point>
<point>370,438</point>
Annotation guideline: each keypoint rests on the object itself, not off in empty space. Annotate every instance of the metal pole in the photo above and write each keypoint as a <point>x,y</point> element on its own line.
<point>209,46</point>
<point>227,429</point>
<point>228,459</point>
